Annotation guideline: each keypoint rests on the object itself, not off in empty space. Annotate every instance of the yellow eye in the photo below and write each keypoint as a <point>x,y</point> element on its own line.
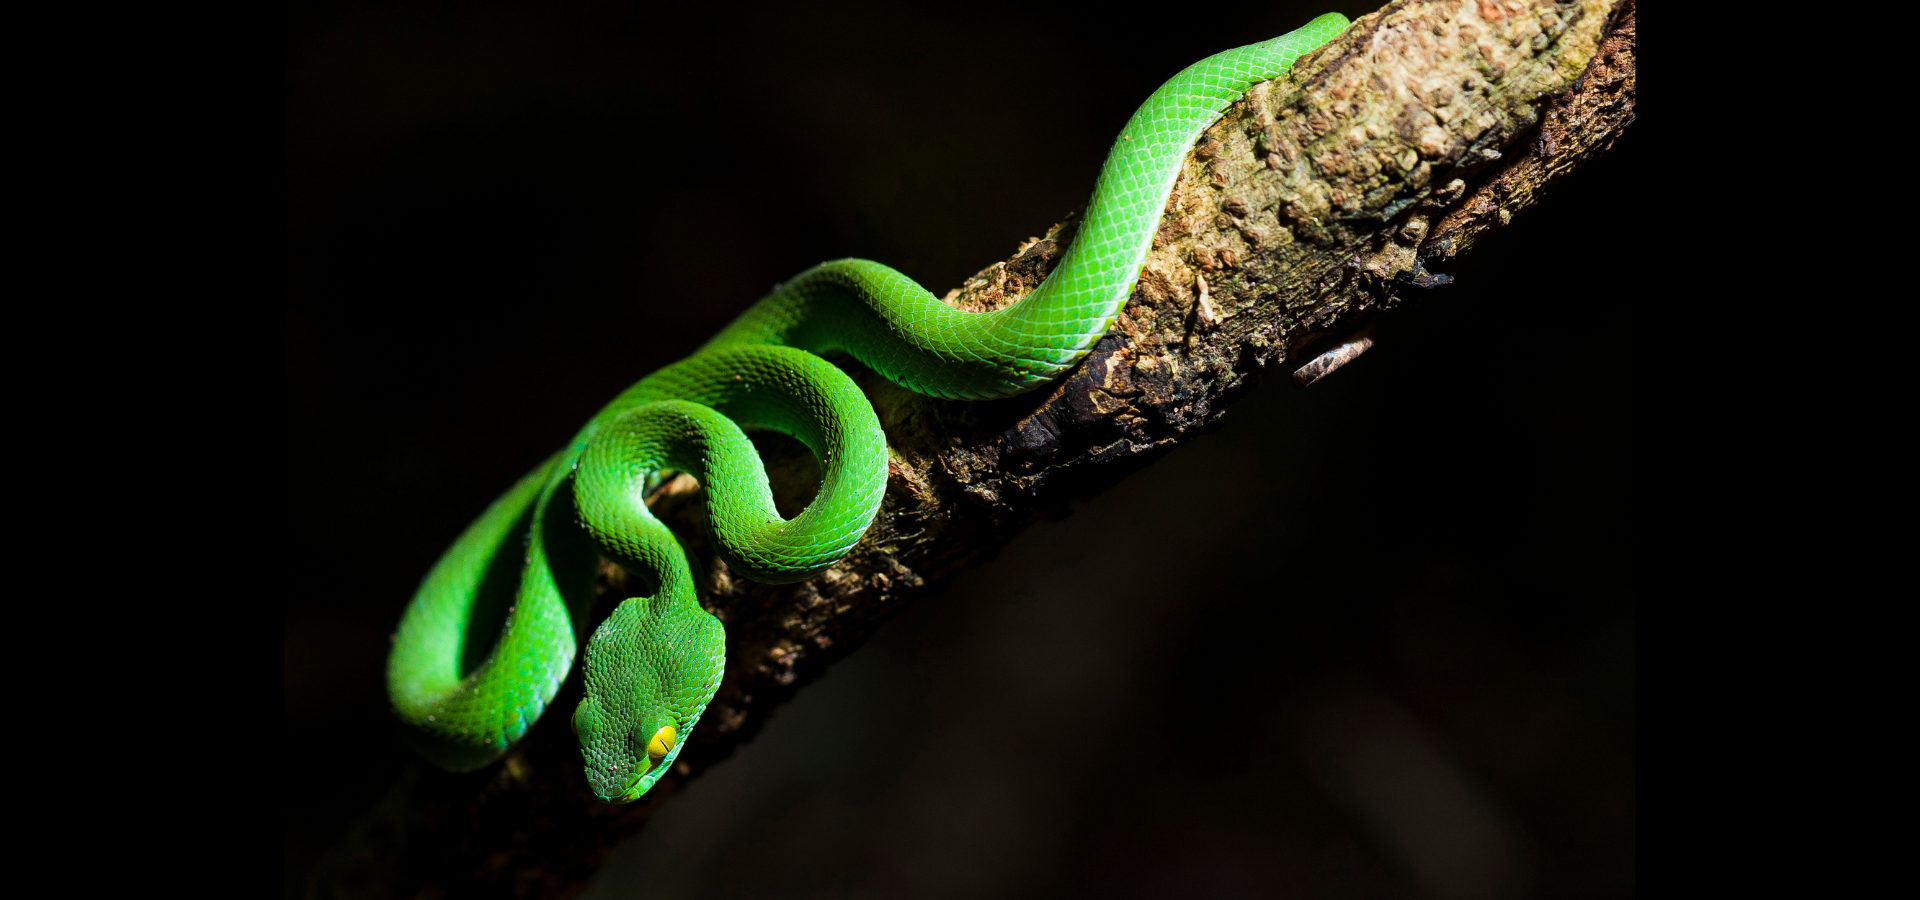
<point>661,743</point>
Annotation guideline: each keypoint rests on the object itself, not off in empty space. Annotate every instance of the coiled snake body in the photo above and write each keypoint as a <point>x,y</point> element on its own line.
<point>655,663</point>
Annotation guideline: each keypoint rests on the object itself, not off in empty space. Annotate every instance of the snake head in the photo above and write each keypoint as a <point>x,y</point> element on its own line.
<point>623,761</point>
<point>651,668</point>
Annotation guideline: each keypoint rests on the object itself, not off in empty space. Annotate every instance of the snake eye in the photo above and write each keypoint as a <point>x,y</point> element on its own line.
<point>661,743</point>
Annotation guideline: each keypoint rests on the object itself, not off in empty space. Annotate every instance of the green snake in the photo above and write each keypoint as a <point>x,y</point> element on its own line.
<point>654,664</point>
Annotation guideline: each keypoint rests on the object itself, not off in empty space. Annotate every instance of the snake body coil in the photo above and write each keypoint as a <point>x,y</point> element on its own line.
<point>656,661</point>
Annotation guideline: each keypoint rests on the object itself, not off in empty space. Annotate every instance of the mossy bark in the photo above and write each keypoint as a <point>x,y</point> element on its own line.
<point>1313,206</point>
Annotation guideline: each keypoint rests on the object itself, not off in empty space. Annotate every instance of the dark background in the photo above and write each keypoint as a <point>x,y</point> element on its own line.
<point>1396,657</point>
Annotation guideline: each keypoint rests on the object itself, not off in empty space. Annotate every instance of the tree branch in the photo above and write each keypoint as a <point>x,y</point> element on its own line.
<point>1311,207</point>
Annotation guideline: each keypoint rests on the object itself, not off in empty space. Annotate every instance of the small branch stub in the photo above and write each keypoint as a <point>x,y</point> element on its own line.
<point>1323,365</point>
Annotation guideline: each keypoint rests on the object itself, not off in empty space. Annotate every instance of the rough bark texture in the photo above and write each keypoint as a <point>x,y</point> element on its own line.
<point>1309,208</point>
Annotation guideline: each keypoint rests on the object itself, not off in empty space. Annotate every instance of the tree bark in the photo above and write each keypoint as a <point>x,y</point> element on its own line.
<point>1314,205</point>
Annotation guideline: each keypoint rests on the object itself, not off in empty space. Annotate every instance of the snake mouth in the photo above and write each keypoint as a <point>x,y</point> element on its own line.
<point>636,786</point>
<point>636,782</point>
<point>632,788</point>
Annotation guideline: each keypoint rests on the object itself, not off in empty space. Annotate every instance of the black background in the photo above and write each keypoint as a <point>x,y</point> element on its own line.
<point>1396,657</point>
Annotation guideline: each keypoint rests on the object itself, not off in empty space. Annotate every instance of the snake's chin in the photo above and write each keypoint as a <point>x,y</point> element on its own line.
<point>634,788</point>
<point>619,799</point>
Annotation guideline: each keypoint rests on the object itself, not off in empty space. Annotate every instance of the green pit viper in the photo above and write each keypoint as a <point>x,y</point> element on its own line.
<point>654,664</point>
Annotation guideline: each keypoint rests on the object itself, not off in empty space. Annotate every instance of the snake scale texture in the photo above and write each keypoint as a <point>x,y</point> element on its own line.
<point>464,697</point>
